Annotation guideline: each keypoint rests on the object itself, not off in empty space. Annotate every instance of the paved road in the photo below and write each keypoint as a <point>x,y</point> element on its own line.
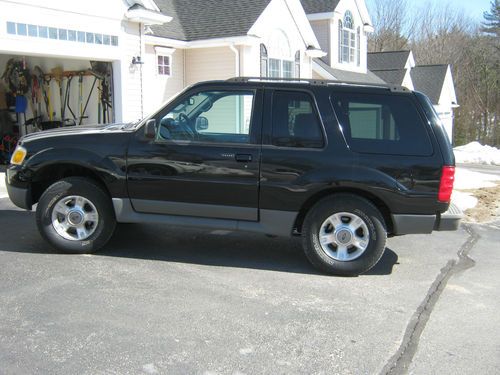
<point>481,168</point>
<point>175,301</point>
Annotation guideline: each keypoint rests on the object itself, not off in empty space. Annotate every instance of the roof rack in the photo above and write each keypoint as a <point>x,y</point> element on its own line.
<point>318,82</point>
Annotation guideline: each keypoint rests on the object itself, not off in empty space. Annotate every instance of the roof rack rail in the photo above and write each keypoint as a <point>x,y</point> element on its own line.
<point>319,82</point>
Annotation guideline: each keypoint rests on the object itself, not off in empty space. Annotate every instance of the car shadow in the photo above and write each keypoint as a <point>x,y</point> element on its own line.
<point>18,233</point>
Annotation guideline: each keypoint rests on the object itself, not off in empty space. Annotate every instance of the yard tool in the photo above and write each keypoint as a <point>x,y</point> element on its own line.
<point>58,74</point>
<point>67,97</point>
<point>82,115</point>
<point>80,97</point>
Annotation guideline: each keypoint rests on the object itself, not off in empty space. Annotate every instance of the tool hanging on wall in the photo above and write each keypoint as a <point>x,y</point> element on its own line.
<point>67,101</point>
<point>58,73</point>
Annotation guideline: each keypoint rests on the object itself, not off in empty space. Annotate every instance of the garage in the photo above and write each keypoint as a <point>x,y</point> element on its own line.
<point>40,93</point>
<point>69,64</point>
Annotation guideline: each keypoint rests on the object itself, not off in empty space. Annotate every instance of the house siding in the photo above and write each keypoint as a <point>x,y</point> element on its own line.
<point>322,31</point>
<point>209,63</point>
<point>159,88</point>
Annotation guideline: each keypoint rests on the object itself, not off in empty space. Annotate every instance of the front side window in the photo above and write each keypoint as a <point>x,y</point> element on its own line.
<point>209,116</point>
<point>381,124</point>
<point>295,122</point>
<point>164,67</point>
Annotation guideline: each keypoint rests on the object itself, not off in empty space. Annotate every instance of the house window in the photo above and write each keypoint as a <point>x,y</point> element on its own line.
<point>297,64</point>
<point>274,68</point>
<point>37,31</point>
<point>264,61</point>
<point>164,65</point>
<point>347,40</point>
<point>287,69</point>
<point>358,46</point>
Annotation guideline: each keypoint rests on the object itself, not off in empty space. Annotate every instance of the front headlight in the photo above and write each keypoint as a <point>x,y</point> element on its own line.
<point>18,156</point>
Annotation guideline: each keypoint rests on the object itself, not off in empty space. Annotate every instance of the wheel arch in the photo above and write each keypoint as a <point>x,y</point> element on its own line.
<point>51,173</point>
<point>376,201</point>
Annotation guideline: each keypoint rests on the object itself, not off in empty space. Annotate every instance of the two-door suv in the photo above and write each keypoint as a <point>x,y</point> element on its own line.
<point>342,165</point>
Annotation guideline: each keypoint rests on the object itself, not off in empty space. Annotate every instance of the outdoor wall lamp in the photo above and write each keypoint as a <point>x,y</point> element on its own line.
<point>136,60</point>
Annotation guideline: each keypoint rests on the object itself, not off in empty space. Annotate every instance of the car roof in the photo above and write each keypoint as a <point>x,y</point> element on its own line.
<point>302,83</point>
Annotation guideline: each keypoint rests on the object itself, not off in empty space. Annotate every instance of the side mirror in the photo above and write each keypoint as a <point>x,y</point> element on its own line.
<point>201,123</point>
<point>150,129</point>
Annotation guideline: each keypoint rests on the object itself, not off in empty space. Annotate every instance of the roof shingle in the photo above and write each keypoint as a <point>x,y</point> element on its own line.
<point>392,60</point>
<point>347,76</point>
<point>208,19</point>
<point>394,76</point>
<point>319,6</point>
<point>429,79</point>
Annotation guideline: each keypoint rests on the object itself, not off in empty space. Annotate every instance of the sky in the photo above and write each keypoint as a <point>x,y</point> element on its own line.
<point>474,8</point>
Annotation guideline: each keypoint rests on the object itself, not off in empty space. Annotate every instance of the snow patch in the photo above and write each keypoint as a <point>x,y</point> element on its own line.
<point>465,179</point>
<point>469,180</point>
<point>476,153</point>
<point>3,189</point>
<point>464,201</point>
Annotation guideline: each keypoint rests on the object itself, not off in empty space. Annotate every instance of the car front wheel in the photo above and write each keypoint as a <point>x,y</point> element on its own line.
<point>75,215</point>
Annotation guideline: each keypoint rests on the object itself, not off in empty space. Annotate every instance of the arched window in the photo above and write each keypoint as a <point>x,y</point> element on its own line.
<point>347,39</point>
<point>264,61</point>
<point>348,20</point>
<point>297,64</point>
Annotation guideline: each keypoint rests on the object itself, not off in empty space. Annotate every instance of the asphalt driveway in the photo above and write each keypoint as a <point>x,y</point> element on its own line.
<point>175,301</point>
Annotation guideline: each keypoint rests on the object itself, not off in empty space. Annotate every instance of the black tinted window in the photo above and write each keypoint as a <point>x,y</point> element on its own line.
<point>295,121</point>
<point>382,124</point>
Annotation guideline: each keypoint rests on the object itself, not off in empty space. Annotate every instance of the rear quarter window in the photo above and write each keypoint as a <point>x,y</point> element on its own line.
<point>382,124</point>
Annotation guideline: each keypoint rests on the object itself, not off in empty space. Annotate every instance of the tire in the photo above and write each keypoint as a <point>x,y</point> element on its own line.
<point>345,251</point>
<point>94,208</point>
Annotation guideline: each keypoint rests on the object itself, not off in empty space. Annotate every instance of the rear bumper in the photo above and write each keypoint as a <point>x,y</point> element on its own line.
<point>422,224</point>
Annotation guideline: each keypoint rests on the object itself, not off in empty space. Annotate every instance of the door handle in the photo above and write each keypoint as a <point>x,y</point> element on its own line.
<point>243,158</point>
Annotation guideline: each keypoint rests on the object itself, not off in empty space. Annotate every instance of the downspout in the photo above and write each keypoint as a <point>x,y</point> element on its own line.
<point>237,59</point>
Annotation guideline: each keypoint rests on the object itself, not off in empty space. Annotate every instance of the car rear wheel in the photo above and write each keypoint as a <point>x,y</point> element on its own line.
<point>344,235</point>
<point>75,215</point>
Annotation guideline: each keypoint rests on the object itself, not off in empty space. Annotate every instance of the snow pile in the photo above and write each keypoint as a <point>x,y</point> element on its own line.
<point>476,153</point>
<point>464,201</point>
<point>468,180</point>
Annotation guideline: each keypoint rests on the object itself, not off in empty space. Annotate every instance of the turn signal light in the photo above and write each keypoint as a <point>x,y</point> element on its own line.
<point>446,185</point>
<point>18,156</point>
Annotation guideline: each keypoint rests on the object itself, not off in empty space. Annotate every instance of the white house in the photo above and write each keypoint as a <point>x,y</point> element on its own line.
<point>157,48</point>
<point>436,81</point>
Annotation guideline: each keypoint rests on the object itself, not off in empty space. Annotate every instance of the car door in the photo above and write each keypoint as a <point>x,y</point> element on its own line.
<point>205,158</point>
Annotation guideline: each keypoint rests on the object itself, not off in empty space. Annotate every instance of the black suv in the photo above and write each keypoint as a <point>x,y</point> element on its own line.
<point>342,165</point>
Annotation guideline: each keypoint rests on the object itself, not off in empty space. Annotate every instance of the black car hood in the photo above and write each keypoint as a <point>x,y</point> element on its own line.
<point>78,130</point>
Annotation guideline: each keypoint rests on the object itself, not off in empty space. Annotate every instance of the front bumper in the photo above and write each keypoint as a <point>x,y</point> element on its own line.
<point>423,224</point>
<point>20,196</point>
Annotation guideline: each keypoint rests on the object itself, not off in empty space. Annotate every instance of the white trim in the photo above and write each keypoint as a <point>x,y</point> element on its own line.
<point>320,16</point>
<point>164,51</point>
<point>206,43</point>
<point>147,17</point>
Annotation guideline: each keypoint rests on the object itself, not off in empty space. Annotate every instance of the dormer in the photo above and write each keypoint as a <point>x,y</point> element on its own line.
<point>342,29</point>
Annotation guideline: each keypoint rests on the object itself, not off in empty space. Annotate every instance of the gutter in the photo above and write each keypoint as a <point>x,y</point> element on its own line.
<point>236,51</point>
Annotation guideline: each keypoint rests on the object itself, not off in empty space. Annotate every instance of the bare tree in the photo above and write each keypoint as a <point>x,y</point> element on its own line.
<point>390,20</point>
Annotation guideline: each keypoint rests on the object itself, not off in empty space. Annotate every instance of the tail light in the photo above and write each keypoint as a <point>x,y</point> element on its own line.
<point>446,185</point>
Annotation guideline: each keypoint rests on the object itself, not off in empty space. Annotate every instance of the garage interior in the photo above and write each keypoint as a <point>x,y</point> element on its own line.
<point>40,93</point>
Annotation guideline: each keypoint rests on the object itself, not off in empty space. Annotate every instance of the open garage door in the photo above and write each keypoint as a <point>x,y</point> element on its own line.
<point>39,93</point>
